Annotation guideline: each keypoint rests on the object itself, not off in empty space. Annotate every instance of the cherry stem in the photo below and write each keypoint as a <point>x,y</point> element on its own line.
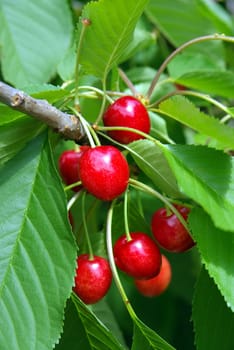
<point>90,249</point>
<point>87,128</point>
<point>69,187</point>
<point>180,49</point>
<point>73,200</point>
<point>81,38</point>
<point>127,231</point>
<point>145,188</point>
<point>103,102</point>
<point>127,81</point>
<point>112,262</point>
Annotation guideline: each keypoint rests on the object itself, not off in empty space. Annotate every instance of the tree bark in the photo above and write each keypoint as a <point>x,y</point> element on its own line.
<point>67,125</point>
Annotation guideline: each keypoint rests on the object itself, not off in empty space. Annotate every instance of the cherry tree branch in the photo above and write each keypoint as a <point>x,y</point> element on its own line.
<point>67,125</point>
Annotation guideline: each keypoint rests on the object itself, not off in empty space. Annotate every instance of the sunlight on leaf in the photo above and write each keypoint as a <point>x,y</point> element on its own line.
<point>206,176</point>
<point>107,37</point>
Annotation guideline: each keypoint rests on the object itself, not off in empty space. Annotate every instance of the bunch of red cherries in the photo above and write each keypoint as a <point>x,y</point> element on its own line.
<point>103,171</point>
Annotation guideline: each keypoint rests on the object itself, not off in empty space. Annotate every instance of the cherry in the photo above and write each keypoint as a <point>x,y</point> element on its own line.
<point>158,284</point>
<point>69,164</point>
<point>139,257</point>
<point>93,278</point>
<point>104,172</point>
<point>129,112</point>
<point>169,231</point>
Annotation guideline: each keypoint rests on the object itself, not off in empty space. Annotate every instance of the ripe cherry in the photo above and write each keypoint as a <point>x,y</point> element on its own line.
<point>139,257</point>
<point>158,284</point>
<point>129,112</point>
<point>104,172</point>
<point>93,278</point>
<point>69,164</point>
<point>169,231</point>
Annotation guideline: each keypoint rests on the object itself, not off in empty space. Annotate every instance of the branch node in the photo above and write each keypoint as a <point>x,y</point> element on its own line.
<point>17,99</point>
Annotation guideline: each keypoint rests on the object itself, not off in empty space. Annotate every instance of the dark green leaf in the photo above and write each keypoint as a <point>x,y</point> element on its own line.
<point>151,160</point>
<point>207,176</point>
<point>216,249</point>
<point>213,320</point>
<point>145,338</point>
<point>99,336</point>
<point>38,252</point>
<point>14,135</point>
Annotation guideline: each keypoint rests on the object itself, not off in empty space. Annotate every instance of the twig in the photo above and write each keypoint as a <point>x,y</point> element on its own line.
<point>67,125</point>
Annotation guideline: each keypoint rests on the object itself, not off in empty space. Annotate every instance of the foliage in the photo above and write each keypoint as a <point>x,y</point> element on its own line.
<point>48,49</point>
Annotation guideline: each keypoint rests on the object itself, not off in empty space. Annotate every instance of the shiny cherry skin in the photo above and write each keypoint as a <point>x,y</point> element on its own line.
<point>69,164</point>
<point>93,278</point>
<point>158,284</point>
<point>139,257</point>
<point>169,231</point>
<point>129,112</point>
<point>104,172</point>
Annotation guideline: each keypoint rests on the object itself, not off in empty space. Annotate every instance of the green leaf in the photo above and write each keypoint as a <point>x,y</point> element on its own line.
<point>105,314</point>
<point>14,135</point>
<point>145,338</point>
<point>207,176</point>
<point>184,111</point>
<point>216,249</point>
<point>38,252</point>
<point>151,160</point>
<point>98,335</point>
<point>188,21</point>
<point>112,25</point>
<point>213,82</point>
<point>211,316</point>
<point>34,37</point>
<point>188,62</point>
<point>216,14</point>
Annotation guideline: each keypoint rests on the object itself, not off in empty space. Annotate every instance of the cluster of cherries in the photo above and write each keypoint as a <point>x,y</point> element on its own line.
<point>103,171</point>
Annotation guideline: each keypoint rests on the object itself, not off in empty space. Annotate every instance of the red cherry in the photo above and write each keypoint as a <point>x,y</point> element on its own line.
<point>93,278</point>
<point>129,112</point>
<point>169,232</point>
<point>140,257</point>
<point>104,172</point>
<point>158,284</point>
<point>69,164</point>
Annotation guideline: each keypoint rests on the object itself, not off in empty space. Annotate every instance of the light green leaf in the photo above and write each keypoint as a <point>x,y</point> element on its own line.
<point>145,338</point>
<point>184,111</point>
<point>187,21</point>
<point>216,14</point>
<point>151,160</point>
<point>99,336</point>
<point>213,82</point>
<point>216,249</point>
<point>14,135</point>
<point>211,316</point>
<point>110,32</point>
<point>34,37</point>
<point>207,176</point>
<point>38,252</point>
<point>188,62</point>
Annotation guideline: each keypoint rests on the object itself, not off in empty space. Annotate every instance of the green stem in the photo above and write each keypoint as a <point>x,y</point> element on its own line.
<point>80,42</point>
<point>127,232</point>
<point>127,81</point>
<point>180,49</point>
<point>69,187</point>
<point>103,102</point>
<point>112,262</point>
<point>165,200</point>
<point>73,200</point>
<point>90,249</point>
